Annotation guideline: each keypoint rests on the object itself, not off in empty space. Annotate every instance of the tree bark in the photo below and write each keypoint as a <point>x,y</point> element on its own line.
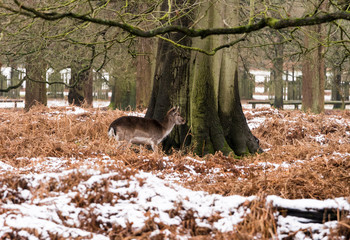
<point>88,87</point>
<point>313,73</point>
<point>336,87</point>
<point>171,83</point>
<point>278,74</point>
<point>246,83</point>
<point>313,70</point>
<point>123,95</point>
<point>207,132</point>
<point>35,83</point>
<point>144,72</point>
<point>81,93</point>
<point>236,130</point>
<point>201,90</point>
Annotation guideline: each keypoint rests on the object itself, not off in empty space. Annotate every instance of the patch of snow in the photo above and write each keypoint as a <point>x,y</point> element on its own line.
<point>75,110</point>
<point>5,167</point>
<point>289,224</point>
<point>306,204</point>
<point>256,122</point>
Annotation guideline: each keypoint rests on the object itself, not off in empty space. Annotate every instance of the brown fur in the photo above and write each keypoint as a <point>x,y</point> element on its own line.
<point>144,130</point>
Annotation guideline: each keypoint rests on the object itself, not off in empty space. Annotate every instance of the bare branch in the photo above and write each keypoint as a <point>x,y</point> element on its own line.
<point>270,22</point>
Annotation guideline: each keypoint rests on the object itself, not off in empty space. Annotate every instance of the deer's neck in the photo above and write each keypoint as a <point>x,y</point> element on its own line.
<point>168,125</point>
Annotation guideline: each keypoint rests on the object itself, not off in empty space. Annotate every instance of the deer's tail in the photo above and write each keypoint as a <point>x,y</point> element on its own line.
<point>111,132</point>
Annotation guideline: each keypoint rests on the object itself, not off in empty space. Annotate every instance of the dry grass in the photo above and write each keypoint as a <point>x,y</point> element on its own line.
<point>290,136</point>
<point>315,147</point>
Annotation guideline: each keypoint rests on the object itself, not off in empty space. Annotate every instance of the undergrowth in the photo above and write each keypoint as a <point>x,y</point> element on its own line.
<point>306,156</point>
<point>315,147</point>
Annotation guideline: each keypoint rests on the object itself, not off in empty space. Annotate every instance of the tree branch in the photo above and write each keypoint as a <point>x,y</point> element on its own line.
<point>13,86</point>
<point>270,22</point>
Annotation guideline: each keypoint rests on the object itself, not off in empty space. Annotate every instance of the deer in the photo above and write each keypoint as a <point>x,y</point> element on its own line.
<point>145,131</point>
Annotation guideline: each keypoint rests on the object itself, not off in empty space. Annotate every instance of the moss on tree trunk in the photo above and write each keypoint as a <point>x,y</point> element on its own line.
<point>208,135</point>
<point>196,89</point>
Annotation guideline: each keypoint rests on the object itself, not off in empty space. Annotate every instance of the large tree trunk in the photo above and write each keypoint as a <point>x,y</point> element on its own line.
<point>171,83</point>
<point>236,130</point>
<point>35,83</point>
<point>207,132</point>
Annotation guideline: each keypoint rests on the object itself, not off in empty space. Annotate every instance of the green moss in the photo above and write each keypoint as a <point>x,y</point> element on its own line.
<point>226,150</point>
<point>272,22</point>
<point>112,106</point>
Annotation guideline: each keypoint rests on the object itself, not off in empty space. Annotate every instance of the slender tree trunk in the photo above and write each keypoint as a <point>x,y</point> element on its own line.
<point>56,90</point>
<point>144,72</point>
<point>81,93</point>
<point>246,83</point>
<point>123,96</point>
<point>35,83</point>
<point>278,74</point>
<point>313,70</point>
<point>346,91</point>
<point>88,87</point>
<point>313,74</point>
<point>3,83</point>
<point>336,87</point>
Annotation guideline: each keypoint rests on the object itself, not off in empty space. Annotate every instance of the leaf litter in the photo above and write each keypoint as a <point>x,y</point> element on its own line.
<point>61,177</point>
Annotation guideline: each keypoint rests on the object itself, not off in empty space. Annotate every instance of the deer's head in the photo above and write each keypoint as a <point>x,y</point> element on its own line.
<point>174,115</point>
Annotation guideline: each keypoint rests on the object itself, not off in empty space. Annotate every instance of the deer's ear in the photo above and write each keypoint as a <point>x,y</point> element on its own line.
<point>172,110</point>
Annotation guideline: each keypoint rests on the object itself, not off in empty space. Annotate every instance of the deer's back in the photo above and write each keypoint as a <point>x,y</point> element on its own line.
<point>131,127</point>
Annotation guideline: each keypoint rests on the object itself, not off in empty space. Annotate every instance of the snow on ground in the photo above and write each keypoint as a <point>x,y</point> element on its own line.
<point>135,199</point>
<point>103,103</point>
<point>56,103</point>
<point>131,199</point>
<point>144,196</point>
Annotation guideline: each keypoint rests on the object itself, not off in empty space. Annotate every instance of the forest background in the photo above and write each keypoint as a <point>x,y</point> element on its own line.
<point>194,54</point>
<point>61,177</point>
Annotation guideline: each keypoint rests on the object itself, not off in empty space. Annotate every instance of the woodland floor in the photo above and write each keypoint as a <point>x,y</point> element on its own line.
<point>61,177</point>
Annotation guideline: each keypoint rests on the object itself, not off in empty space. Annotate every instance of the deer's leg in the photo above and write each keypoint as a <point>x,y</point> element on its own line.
<point>117,139</point>
<point>154,147</point>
